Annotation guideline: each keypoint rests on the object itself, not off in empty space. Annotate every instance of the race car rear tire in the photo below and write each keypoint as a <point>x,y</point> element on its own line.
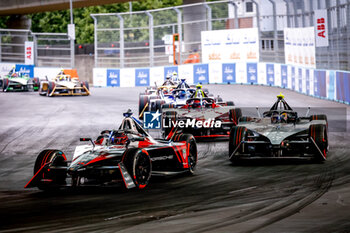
<point>139,166</point>
<point>157,105</point>
<point>50,88</point>
<point>244,119</point>
<point>86,84</point>
<point>318,133</point>
<point>169,117</point>
<point>319,117</point>
<point>230,103</point>
<point>36,84</point>
<point>234,115</point>
<point>192,149</point>
<point>5,84</point>
<point>55,158</point>
<point>164,106</point>
<point>143,101</point>
<point>237,135</point>
<point>206,91</point>
<point>219,99</point>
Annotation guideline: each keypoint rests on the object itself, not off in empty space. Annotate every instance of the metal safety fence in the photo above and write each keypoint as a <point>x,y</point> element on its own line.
<point>137,39</point>
<point>50,49</point>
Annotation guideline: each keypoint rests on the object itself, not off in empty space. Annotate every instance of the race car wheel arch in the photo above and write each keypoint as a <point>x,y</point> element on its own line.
<point>237,135</point>
<point>234,115</point>
<point>192,156</point>
<point>318,132</point>
<point>55,158</point>
<point>139,166</point>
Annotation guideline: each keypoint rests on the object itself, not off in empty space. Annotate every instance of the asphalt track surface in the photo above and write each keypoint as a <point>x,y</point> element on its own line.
<point>219,197</point>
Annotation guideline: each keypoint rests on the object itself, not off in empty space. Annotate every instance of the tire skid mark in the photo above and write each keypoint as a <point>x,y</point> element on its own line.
<point>323,183</point>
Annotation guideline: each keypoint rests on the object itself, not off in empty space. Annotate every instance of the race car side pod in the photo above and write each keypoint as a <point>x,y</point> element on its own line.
<point>143,110</point>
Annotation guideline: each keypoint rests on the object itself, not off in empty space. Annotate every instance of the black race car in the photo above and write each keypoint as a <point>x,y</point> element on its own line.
<point>128,155</point>
<point>279,133</point>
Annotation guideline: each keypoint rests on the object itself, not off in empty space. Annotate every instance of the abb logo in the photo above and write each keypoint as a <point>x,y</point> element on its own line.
<point>29,52</point>
<point>321,27</point>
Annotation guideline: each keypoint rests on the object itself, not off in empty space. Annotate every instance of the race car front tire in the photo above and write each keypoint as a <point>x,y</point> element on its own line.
<point>237,135</point>
<point>234,115</point>
<point>319,117</point>
<point>86,84</point>
<point>157,105</point>
<point>51,87</point>
<point>36,84</point>
<point>5,84</point>
<point>244,119</point>
<point>58,177</point>
<point>139,166</point>
<point>165,106</point>
<point>230,103</point>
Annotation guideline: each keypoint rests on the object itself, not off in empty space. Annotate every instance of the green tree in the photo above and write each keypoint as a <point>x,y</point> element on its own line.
<point>57,21</point>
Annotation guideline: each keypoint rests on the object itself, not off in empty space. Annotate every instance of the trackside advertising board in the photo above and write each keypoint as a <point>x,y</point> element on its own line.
<point>328,84</point>
<point>233,45</point>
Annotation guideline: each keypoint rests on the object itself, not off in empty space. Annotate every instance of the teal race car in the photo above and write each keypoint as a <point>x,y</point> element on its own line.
<point>279,134</point>
<point>17,81</point>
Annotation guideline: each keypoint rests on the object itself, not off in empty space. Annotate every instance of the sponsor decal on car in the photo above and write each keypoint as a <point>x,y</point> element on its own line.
<point>152,120</point>
<point>192,123</point>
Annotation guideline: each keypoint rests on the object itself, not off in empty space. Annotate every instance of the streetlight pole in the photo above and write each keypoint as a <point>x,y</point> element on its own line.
<point>71,39</point>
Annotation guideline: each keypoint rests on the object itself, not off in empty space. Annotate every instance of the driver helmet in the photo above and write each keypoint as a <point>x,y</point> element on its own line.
<point>275,118</point>
<point>182,94</point>
<point>284,117</point>
<point>174,75</point>
<point>119,139</point>
<point>196,104</point>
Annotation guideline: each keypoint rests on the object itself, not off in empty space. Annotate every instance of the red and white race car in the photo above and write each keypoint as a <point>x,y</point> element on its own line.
<point>202,117</point>
<point>128,155</point>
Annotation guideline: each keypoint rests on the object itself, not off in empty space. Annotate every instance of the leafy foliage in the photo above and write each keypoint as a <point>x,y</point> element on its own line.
<point>57,21</point>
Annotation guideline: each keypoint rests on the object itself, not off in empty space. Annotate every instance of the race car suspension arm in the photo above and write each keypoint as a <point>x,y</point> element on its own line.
<point>318,149</point>
<point>234,152</point>
<point>143,109</point>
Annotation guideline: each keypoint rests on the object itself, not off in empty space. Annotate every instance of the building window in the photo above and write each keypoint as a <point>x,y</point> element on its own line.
<point>248,7</point>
